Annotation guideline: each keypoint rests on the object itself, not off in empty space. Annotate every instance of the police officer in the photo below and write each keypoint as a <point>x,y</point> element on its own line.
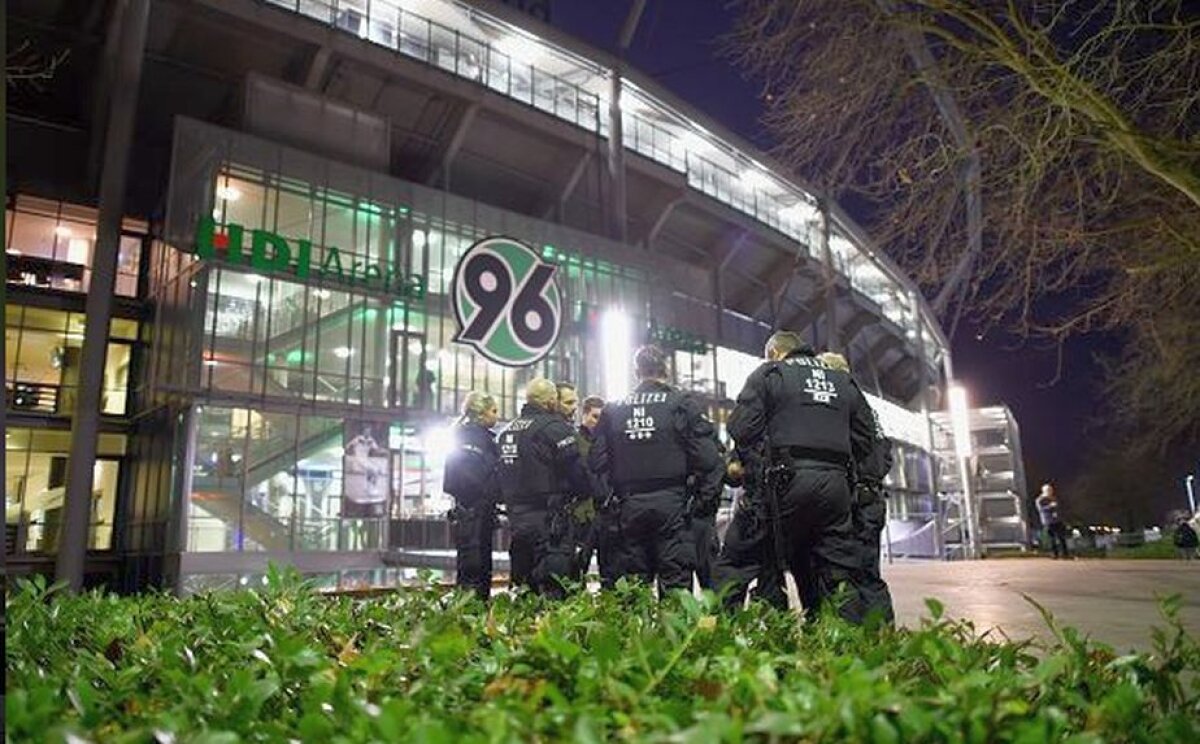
<point>869,511</point>
<point>813,423</point>
<point>540,470</point>
<point>702,524</point>
<point>472,479</point>
<point>647,445</point>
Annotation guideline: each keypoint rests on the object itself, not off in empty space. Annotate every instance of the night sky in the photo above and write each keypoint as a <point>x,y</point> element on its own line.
<point>675,45</point>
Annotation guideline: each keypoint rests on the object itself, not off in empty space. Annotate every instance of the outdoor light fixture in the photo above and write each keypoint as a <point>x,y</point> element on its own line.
<point>616,338</point>
<point>1191,489</point>
<point>438,444</point>
<point>343,352</point>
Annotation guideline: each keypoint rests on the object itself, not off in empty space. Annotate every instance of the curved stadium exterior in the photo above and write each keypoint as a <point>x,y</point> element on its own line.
<point>397,134</point>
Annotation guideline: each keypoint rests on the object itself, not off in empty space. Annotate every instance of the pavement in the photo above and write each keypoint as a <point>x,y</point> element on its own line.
<point>1112,601</point>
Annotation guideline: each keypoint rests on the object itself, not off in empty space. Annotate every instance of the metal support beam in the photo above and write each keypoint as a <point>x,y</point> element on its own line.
<point>453,146</point>
<point>559,207</point>
<point>805,315</point>
<point>661,221</point>
<point>616,139</point>
<point>314,79</point>
<point>882,347</point>
<point>719,279</point>
<point>73,538</point>
<point>861,320</point>
<point>830,289</point>
<point>901,368</point>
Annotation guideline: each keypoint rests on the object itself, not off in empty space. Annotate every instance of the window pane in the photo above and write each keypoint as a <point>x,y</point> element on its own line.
<point>116,379</point>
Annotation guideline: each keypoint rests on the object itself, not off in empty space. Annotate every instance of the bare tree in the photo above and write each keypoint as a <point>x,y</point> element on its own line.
<point>25,66</point>
<point>1035,165</point>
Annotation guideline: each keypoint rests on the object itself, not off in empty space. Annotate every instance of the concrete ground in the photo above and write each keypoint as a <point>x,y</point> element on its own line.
<point>1113,601</point>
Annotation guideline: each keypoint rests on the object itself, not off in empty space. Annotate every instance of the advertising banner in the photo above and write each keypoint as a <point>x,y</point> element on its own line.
<point>366,469</point>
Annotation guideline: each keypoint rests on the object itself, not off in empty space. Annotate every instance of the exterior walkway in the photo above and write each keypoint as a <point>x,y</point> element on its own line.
<point>1113,601</point>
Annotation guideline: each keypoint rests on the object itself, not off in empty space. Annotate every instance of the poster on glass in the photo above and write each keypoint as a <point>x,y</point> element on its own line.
<point>366,470</point>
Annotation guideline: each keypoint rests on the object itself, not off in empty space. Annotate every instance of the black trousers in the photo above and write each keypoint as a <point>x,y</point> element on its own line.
<point>704,537</point>
<point>870,514</point>
<point>748,553</point>
<point>474,530</point>
<point>607,532</point>
<point>654,541</point>
<point>1058,539</point>
<point>815,516</point>
<point>540,552</point>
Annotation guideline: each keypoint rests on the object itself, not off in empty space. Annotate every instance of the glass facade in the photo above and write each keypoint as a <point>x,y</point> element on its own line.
<point>50,246</point>
<point>35,472</point>
<point>42,353</point>
<point>315,403</point>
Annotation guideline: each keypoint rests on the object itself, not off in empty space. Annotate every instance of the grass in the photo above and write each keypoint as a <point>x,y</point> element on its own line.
<point>287,664</point>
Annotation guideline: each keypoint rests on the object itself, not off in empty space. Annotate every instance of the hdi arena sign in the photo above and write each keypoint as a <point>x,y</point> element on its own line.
<point>506,301</point>
<point>273,254</point>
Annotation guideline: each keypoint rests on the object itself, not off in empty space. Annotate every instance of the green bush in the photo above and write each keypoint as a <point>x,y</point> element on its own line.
<point>287,664</point>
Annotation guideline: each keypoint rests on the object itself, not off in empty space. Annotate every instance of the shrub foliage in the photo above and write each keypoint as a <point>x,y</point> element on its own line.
<point>285,663</point>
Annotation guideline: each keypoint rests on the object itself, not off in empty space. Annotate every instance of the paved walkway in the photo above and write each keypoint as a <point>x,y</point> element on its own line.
<point>1112,601</point>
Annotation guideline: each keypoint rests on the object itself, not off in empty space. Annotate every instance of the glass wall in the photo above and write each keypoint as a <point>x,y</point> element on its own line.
<point>42,353</point>
<point>50,245</point>
<point>35,476</point>
<point>321,404</point>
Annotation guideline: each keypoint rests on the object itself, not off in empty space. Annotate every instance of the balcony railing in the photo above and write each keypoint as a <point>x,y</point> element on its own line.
<point>385,23</point>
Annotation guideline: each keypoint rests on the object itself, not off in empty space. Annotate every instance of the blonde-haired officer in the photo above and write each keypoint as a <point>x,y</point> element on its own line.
<point>471,477</point>
<point>540,468</point>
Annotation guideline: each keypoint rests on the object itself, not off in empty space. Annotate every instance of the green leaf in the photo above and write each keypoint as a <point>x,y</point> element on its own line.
<point>936,608</point>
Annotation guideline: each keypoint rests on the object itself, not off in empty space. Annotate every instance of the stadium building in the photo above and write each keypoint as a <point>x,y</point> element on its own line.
<point>296,317</point>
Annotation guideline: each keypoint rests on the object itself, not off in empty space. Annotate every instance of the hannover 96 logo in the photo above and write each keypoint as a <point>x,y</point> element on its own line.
<point>506,302</point>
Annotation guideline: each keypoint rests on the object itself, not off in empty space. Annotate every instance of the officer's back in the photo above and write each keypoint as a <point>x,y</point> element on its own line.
<point>812,422</point>
<point>647,444</point>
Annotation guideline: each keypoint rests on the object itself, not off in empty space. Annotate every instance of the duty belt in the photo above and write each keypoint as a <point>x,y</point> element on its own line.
<point>653,484</point>
<point>799,455</point>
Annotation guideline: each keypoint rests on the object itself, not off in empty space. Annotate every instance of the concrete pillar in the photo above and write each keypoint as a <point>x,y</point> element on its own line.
<point>831,322</point>
<point>135,16</point>
<point>616,140</point>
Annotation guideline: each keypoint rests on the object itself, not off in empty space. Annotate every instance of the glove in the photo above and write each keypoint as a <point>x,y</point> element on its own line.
<point>584,511</point>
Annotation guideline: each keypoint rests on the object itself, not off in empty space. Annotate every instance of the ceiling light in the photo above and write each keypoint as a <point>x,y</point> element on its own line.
<point>343,352</point>
<point>228,193</point>
<point>62,231</point>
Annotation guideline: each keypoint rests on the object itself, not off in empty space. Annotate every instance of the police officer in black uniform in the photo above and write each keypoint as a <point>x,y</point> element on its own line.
<point>472,479</point>
<point>814,422</point>
<point>541,469</point>
<point>869,512</point>
<point>647,445</point>
<point>702,524</point>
